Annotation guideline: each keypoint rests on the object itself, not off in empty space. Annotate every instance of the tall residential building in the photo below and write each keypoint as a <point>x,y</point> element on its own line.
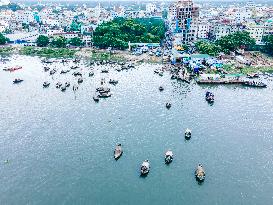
<point>186,17</point>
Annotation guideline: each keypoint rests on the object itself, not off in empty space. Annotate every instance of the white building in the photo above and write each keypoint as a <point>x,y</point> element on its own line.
<point>221,30</point>
<point>242,15</point>
<point>150,8</point>
<point>256,32</point>
<point>24,16</point>
<point>203,30</point>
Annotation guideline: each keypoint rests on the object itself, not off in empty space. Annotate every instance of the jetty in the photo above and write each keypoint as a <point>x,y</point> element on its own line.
<point>221,81</point>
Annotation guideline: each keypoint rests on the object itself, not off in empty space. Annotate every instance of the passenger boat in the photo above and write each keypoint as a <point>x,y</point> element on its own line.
<point>12,69</point>
<point>103,89</point>
<point>168,105</point>
<point>118,152</point>
<point>255,84</point>
<point>46,84</point>
<point>168,157</point>
<point>253,75</point>
<point>145,167</point>
<point>104,94</point>
<point>17,80</point>
<point>209,97</point>
<point>188,133</point>
<point>105,70</point>
<point>200,173</point>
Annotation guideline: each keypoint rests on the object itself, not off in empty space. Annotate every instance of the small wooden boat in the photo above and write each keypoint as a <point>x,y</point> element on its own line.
<point>80,80</point>
<point>46,84</point>
<point>63,88</point>
<point>200,173</point>
<point>145,167</point>
<point>47,61</point>
<point>52,72</point>
<point>209,97</point>
<point>91,74</point>
<point>76,60</point>
<point>64,61</point>
<point>75,88</point>
<point>161,88</point>
<point>58,84</point>
<point>188,133</point>
<point>65,71</point>
<point>96,98</point>
<point>46,69</point>
<point>168,105</point>
<point>77,74</point>
<point>17,80</point>
<point>67,84</point>
<point>118,152</point>
<point>113,82</point>
<point>168,157</point>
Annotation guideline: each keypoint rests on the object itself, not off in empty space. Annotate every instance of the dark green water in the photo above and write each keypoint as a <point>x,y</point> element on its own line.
<point>60,145</point>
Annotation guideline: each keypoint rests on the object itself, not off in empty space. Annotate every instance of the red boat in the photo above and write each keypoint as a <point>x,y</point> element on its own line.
<point>13,68</point>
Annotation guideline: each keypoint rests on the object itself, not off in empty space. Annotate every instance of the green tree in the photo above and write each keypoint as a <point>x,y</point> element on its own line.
<point>75,41</point>
<point>42,41</point>
<point>239,39</point>
<point>208,48</point>
<point>165,14</point>
<point>75,26</point>
<point>268,40</point>
<point>3,39</point>
<point>59,42</point>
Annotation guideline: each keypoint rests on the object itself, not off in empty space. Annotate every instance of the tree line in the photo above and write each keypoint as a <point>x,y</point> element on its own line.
<point>57,42</point>
<point>233,42</point>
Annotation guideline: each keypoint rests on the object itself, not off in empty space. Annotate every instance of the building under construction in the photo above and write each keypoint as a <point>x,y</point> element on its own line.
<point>185,15</point>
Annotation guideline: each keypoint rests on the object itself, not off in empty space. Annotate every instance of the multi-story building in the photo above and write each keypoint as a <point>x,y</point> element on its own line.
<point>186,20</point>
<point>221,30</point>
<point>256,32</point>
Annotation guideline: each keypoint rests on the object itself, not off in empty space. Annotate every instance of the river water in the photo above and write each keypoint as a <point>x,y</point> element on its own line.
<point>57,147</point>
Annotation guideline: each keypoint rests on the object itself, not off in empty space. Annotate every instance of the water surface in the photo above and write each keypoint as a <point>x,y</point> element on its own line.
<point>59,145</point>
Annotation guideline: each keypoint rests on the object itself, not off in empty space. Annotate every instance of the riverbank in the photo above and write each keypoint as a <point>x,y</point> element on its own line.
<point>125,55</point>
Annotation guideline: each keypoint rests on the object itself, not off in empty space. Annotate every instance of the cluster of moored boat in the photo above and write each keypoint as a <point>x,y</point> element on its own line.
<point>168,158</point>
<point>101,92</point>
